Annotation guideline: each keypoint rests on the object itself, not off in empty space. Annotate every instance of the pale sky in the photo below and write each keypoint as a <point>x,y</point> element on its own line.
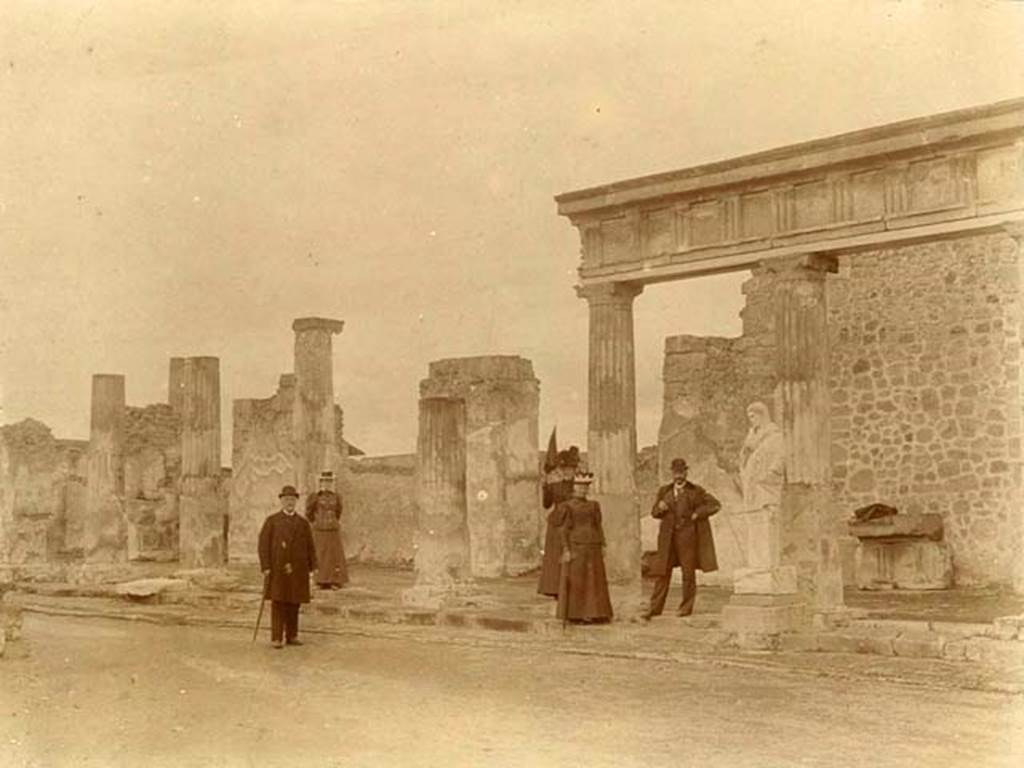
<point>185,178</point>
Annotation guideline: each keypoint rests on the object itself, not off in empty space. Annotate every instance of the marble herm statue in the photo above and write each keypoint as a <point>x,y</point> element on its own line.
<point>762,460</point>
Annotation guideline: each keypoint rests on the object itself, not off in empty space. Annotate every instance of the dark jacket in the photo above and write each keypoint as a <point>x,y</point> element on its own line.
<point>323,510</point>
<point>286,548</point>
<point>694,503</point>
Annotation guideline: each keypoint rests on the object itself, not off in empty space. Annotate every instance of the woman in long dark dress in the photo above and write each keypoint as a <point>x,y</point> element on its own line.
<point>557,488</point>
<point>583,593</point>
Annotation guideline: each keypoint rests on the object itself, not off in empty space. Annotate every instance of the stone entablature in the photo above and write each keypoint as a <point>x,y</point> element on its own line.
<point>953,172</point>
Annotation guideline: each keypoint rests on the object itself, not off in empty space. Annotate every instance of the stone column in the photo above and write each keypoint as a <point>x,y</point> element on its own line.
<point>313,431</point>
<point>443,569</point>
<point>104,528</point>
<point>202,507</point>
<point>1016,231</point>
<point>611,430</point>
<point>810,537</point>
<point>768,599</point>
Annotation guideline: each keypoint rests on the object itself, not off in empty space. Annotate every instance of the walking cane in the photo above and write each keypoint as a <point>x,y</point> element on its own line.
<point>263,601</point>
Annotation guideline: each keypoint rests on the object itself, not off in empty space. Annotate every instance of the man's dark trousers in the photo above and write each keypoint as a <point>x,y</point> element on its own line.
<point>684,542</point>
<point>284,620</point>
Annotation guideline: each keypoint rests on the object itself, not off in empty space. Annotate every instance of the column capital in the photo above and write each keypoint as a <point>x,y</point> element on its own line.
<point>802,266</point>
<point>317,324</point>
<point>609,293</point>
<point>1015,229</point>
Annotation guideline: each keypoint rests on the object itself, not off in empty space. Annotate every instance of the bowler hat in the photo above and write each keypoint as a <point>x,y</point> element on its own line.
<point>679,465</point>
<point>288,490</point>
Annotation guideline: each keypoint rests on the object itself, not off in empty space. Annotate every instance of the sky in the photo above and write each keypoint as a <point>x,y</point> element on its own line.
<point>182,178</point>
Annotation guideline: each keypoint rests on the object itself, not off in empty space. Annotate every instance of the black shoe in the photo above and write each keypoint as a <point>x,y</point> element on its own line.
<point>277,645</point>
<point>294,641</point>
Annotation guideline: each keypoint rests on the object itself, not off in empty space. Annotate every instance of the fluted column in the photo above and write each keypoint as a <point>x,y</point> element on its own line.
<point>802,401</point>
<point>104,529</point>
<point>611,430</point>
<point>201,504</point>
<point>313,431</point>
<point>442,560</point>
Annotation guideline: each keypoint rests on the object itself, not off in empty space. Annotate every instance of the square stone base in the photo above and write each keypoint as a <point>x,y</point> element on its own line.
<point>903,564</point>
<point>765,581</point>
<point>763,615</point>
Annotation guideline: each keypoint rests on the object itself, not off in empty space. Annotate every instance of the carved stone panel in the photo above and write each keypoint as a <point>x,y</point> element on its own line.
<point>933,185</point>
<point>659,232</point>
<point>1000,174</point>
<point>812,204</point>
<point>707,224</point>
<point>868,195</point>
<point>619,240</point>
<point>756,215</point>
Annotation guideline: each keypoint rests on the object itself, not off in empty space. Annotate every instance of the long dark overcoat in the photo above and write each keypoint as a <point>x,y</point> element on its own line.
<point>554,494</point>
<point>696,502</point>
<point>286,548</point>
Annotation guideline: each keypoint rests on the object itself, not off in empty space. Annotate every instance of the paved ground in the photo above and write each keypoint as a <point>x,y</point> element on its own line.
<point>111,693</point>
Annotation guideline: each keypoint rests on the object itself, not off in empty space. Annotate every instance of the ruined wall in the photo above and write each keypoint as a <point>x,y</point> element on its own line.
<point>152,468</point>
<point>502,398</point>
<point>32,482</point>
<point>925,391</point>
<point>379,520</point>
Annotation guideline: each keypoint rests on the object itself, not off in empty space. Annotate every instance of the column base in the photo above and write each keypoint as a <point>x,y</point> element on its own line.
<point>765,581</point>
<point>758,620</point>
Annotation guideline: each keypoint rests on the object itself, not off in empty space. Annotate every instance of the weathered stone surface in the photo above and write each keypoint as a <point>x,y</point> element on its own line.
<point>903,564</point>
<point>918,645</point>
<point>262,462</point>
<point>379,496</point>
<point>443,567</point>
<point>149,588</point>
<point>921,525</point>
<point>501,398</point>
<point>764,614</point>
<point>314,432</point>
<point>104,532</point>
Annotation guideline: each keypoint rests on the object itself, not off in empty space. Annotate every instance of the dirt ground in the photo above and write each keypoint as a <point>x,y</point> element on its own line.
<point>92,692</point>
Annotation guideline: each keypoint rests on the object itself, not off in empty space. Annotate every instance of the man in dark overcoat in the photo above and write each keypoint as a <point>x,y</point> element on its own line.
<point>684,538</point>
<point>287,557</point>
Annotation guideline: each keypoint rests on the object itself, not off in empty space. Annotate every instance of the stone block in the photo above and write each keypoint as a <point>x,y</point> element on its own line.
<point>926,525</point>
<point>997,653</point>
<point>765,615</point>
<point>910,564</point>
<point>798,641</point>
<point>773,581</point>
<point>924,645</point>
<point>146,589</point>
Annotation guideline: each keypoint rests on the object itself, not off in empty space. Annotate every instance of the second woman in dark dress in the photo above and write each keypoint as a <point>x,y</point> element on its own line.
<point>583,592</point>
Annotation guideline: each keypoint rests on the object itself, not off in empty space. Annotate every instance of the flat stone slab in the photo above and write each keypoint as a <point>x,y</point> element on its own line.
<point>926,525</point>
<point>144,588</point>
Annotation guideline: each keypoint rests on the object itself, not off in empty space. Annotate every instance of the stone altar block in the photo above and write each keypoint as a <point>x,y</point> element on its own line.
<point>902,552</point>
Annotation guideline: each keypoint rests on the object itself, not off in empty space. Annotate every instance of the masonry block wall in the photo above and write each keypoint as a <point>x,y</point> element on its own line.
<point>926,392</point>
<point>152,467</point>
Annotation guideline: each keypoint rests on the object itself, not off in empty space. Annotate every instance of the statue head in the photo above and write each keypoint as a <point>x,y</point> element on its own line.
<point>758,414</point>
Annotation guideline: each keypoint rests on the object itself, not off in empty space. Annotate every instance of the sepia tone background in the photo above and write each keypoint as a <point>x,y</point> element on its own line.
<point>183,178</point>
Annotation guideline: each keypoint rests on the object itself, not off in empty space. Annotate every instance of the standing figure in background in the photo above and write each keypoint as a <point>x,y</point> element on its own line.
<point>287,557</point>
<point>583,592</point>
<point>684,538</point>
<point>323,509</point>
<point>557,488</point>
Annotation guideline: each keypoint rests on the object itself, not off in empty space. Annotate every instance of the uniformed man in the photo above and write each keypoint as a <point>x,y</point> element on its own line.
<point>287,557</point>
<point>684,538</point>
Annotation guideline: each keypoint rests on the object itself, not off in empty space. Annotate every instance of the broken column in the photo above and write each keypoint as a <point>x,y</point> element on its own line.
<point>611,425</point>
<point>442,561</point>
<point>201,505</point>
<point>501,396</point>
<point>104,528</point>
<point>314,434</point>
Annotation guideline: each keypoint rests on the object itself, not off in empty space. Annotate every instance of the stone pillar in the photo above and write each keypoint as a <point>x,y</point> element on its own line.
<point>442,562</point>
<point>810,536</point>
<point>611,430</point>
<point>502,477</point>
<point>313,431</point>
<point>104,528</point>
<point>1016,231</point>
<point>201,505</point>
<point>767,602</point>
